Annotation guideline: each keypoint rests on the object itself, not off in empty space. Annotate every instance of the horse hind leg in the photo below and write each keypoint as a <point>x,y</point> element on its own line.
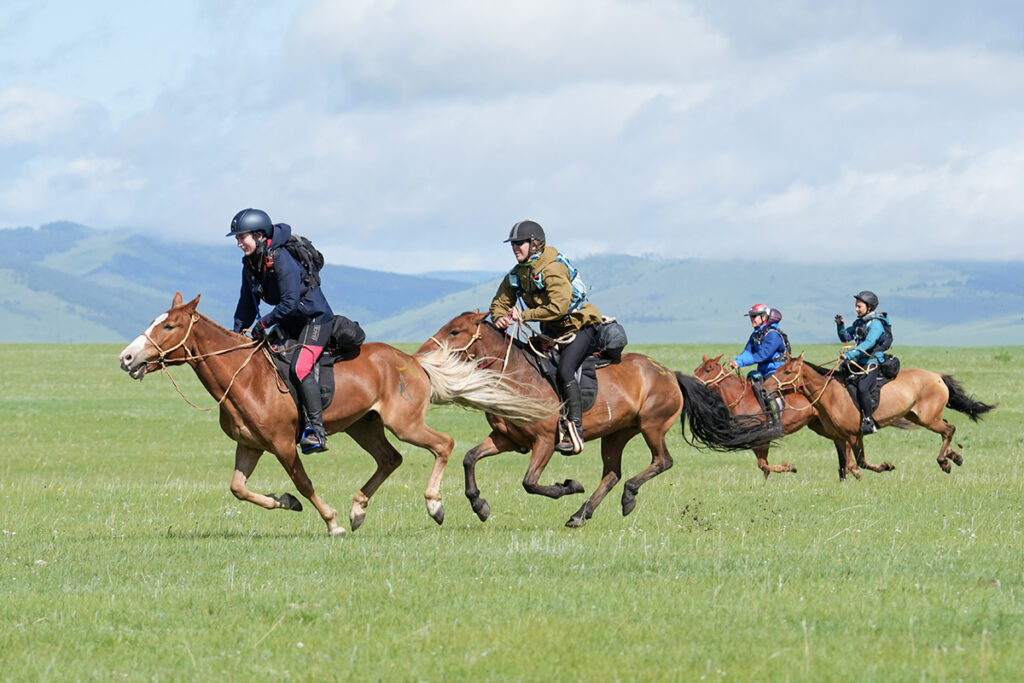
<point>369,434</point>
<point>946,453</point>
<point>660,461</point>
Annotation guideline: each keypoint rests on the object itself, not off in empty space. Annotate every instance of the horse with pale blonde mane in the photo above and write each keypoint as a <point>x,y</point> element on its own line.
<point>380,389</point>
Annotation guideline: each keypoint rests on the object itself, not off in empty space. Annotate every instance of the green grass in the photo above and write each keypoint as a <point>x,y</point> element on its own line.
<point>124,555</point>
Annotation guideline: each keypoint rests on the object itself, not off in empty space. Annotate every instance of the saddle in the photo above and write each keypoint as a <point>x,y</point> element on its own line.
<point>586,376</point>
<point>344,344</point>
<point>887,371</point>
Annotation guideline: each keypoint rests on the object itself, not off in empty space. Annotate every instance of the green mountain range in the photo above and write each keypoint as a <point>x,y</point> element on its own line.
<point>65,282</point>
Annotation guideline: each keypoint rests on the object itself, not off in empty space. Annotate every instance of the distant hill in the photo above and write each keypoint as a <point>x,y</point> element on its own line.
<point>69,283</point>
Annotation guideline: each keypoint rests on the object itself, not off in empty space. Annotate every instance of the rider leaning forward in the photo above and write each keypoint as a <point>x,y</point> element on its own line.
<point>300,310</point>
<point>871,332</point>
<point>544,284</point>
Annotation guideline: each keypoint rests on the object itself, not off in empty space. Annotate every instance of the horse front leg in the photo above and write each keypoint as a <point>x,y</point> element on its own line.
<point>495,443</point>
<point>611,459</point>
<point>543,448</point>
<point>847,464</point>
<point>858,450</point>
<point>246,460</point>
<point>288,456</point>
<point>761,453</point>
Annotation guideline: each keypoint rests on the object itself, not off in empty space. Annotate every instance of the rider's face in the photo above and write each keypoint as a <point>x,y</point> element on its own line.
<point>521,249</point>
<point>861,308</point>
<point>756,320</point>
<point>246,242</point>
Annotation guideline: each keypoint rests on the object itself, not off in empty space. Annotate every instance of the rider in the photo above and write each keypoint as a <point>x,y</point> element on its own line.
<point>766,347</point>
<point>871,331</point>
<point>544,284</point>
<point>300,311</point>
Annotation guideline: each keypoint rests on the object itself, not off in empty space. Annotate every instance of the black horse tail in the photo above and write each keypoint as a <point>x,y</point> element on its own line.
<point>962,403</point>
<point>714,426</point>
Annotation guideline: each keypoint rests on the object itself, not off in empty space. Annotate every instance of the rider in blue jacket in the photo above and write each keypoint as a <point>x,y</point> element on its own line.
<point>273,275</point>
<point>873,336</point>
<point>766,347</point>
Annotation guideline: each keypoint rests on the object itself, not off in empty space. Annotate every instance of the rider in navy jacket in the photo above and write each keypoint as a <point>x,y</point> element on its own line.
<point>270,273</point>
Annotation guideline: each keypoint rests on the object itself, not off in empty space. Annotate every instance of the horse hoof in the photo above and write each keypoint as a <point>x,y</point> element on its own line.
<point>628,504</point>
<point>482,509</point>
<point>356,521</point>
<point>337,532</point>
<point>957,459</point>
<point>576,521</point>
<point>436,511</point>
<point>288,502</point>
<point>572,486</point>
<point>888,467</point>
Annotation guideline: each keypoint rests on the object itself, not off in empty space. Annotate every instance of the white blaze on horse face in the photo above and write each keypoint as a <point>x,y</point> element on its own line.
<point>131,353</point>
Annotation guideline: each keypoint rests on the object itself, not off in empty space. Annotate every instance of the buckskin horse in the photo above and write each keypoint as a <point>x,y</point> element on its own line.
<point>797,413</point>
<point>380,388</point>
<point>918,395</point>
<point>637,396</point>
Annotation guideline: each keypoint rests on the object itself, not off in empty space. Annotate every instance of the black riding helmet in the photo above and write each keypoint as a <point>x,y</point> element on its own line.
<point>251,220</point>
<point>526,230</point>
<point>869,299</point>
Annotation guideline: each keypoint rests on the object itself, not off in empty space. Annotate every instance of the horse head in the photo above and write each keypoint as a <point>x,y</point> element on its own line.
<point>788,376</point>
<point>163,341</point>
<point>710,370</point>
<point>460,334</point>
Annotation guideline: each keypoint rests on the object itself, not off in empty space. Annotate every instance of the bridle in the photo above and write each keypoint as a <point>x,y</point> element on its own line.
<point>797,384</point>
<point>162,362</point>
<point>718,379</point>
<point>474,339</point>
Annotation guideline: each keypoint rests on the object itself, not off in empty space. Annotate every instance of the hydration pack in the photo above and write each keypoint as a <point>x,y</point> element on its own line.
<point>884,342</point>
<point>579,287</point>
<point>308,256</point>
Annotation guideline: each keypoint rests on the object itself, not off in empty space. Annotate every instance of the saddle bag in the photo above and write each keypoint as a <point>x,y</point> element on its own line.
<point>890,367</point>
<point>611,339</point>
<point>346,338</point>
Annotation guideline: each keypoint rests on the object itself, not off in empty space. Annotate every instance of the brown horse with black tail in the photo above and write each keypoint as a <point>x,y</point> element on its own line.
<point>636,396</point>
<point>382,388</point>
<point>916,395</point>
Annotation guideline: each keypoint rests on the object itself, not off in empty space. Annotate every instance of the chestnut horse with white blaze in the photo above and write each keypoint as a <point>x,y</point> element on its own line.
<point>382,388</point>
<point>915,395</point>
<point>637,396</point>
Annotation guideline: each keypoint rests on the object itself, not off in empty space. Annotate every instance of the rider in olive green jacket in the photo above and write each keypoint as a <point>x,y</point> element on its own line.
<point>546,285</point>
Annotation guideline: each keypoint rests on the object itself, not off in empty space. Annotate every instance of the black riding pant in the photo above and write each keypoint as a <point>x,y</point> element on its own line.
<point>865,386</point>
<point>574,353</point>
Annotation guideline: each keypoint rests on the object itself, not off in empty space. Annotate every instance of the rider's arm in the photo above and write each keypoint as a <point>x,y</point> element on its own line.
<point>246,310</point>
<point>746,356</point>
<point>874,333</point>
<point>504,299</point>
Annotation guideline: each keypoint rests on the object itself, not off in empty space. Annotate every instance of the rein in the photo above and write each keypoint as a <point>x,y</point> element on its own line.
<point>722,375</point>
<point>190,357</point>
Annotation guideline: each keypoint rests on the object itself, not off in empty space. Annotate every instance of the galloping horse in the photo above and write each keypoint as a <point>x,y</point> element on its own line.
<point>739,397</point>
<point>915,394</point>
<point>636,396</point>
<point>380,388</point>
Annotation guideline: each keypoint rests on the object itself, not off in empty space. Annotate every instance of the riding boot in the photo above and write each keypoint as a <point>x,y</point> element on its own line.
<point>867,422</point>
<point>314,436</point>
<point>572,437</point>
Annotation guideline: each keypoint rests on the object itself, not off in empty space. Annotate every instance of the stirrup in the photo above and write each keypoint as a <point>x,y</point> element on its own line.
<point>868,426</point>
<point>572,440</point>
<point>312,442</point>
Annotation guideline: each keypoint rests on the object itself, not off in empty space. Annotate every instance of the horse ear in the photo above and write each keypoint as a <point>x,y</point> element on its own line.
<point>194,303</point>
<point>801,356</point>
<point>719,357</point>
<point>479,317</point>
<point>177,300</point>
<point>704,358</point>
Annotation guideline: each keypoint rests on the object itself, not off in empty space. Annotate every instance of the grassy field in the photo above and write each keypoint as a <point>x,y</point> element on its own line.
<point>123,555</point>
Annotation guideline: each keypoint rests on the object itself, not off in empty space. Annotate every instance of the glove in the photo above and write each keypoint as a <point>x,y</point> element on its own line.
<point>839,318</point>
<point>849,355</point>
<point>258,332</point>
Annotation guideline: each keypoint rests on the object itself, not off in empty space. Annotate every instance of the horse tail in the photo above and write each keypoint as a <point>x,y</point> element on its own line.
<point>714,426</point>
<point>961,402</point>
<point>459,381</point>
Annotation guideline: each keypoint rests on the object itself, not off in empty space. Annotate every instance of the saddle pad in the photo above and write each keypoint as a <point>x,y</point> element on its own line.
<point>586,376</point>
<point>323,371</point>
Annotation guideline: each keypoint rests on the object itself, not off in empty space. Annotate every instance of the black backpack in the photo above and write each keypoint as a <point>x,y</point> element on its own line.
<point>307,255</point>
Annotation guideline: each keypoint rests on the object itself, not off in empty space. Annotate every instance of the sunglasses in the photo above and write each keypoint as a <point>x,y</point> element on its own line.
<point>518,243</point>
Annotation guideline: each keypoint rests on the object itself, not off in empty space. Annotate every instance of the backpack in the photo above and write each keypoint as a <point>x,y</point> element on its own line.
<point>775,317</point>
<point>579,287</point>
<point>308,256</point>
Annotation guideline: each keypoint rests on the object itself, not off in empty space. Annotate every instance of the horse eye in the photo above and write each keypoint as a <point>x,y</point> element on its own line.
<point>455,333</point>
<point>168,327</point>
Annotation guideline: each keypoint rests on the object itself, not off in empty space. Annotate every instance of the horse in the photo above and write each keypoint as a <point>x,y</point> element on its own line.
<point>380,388</point>
<point>916,395</point>
<point>797,412</point>
<point>638,395</point>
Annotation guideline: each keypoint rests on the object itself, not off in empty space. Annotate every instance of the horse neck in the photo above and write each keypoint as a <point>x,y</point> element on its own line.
<point>217,370</point>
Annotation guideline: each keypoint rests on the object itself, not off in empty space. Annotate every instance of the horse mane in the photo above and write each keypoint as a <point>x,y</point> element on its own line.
<point>823,371</point>
<point>454,380</point>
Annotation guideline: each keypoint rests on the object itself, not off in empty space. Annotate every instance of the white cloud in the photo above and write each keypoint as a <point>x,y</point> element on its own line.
<point>33,115</point>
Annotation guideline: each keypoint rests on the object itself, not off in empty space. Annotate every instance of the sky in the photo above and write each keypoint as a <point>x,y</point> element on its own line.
<point>410,136</point>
